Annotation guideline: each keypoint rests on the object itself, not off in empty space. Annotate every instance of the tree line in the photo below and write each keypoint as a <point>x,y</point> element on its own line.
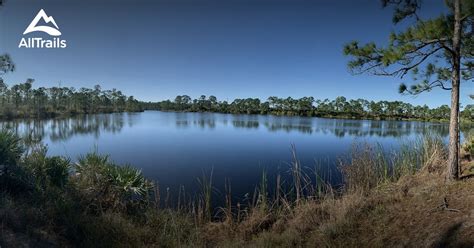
<point>23,101</point>
<point>309,106</point>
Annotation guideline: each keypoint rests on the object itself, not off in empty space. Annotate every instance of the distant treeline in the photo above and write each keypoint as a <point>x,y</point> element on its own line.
<point>22,101</point>
<point>308,106</point>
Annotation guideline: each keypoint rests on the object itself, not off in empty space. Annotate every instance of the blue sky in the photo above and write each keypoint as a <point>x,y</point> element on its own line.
<point>156,50</point>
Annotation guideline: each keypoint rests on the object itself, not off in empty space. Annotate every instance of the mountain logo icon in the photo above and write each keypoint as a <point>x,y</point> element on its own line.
<point>47,29</point>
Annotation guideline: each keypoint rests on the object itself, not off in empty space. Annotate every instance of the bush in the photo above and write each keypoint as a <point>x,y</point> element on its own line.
<point>10,149</point>
<point>469,147</point>
<point>46,171</point>
<point>12,177</point>
<point>109,186</point>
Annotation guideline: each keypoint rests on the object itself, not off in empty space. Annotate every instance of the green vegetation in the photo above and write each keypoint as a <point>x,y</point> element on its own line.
<point>49,201</point>
<point>468,146</point>
<point>22,101</point>
<point>308,106</point>
<point>438,52</point>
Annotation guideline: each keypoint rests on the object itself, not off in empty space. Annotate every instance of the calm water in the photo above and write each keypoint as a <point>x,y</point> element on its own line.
<point>176,148</point>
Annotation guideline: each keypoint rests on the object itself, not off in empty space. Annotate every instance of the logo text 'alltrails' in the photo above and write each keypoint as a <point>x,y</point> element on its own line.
<point>38,42</point>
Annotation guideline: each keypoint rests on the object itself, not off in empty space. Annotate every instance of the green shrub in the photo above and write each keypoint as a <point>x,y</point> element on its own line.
<point>110,186</point>
<point>13,178</point>
<point>10,148</point>
<point>46,171</point>
<point>469,146</point>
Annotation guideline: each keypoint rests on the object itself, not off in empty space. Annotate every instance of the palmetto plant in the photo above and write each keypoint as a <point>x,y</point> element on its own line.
<point>129,180</point>
<point>10,149</point>
<point>108,185</point>
<point>47,172</point>
<point>12,176</point>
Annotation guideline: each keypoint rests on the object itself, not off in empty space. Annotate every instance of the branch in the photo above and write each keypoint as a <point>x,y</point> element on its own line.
<point>404,70</point>
<point>427,87</point>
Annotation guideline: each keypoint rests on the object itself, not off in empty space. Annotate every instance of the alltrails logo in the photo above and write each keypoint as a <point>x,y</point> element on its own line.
<point>38,42</point>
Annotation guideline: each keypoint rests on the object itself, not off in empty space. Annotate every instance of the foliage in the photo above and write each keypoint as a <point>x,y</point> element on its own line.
<point>13,178</point>
<point>369,166</point>
<point>22,100</point>
<point>110,186</point>
<point>420,49</point>
<point>366,168</point>
<point>6,65</point>
<point>46,171</point>
<point>308,106</point>
<point>205,198</point>
<point>468,146</point>
<point>93,206</point>
<point>10,148</point>
<point>437,51</point>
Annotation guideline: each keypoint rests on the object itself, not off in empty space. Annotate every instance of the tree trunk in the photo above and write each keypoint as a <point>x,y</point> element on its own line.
<point>453,159</point>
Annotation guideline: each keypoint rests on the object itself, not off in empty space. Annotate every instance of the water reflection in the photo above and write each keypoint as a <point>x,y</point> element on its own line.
<point>57,130</point>
<point>64,129</point>
<point>336,127</point>
<point>175,148</point>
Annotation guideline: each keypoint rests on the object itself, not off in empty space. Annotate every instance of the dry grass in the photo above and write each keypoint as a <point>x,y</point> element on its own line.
<point>401,214</point>
<point>395,200</point>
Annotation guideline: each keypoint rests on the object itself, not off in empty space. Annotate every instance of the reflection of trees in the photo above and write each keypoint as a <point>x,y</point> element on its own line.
<point>273,127</point>
<point>182,123</point>
<point>64,129</point>
<point>302,125</point>
<point>363,128</point>
<point>336,127</point>
<point>245,124</point>
<point>203,123</point>
<point>356,128</point>
<point>34,131</point>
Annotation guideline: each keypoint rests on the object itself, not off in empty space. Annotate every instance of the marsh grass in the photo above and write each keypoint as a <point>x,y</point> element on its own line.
<point>204,204</point>
<point>99,203</point>
<point>366,168</point>
<point>262,199</point>
<point>369,165</point>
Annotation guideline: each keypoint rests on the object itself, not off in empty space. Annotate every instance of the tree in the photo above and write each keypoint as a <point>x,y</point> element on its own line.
<point>438,52</point>
<point>6,65</point>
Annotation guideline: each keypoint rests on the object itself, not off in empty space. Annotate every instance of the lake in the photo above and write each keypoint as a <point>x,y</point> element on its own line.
<point>177,148</point>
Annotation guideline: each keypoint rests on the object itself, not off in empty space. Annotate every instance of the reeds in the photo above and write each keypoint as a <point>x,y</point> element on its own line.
<point>366,167</point>
<point>296,173</point>
<point>205,198</point>
<point>370,166</point>
<point>306,201</point>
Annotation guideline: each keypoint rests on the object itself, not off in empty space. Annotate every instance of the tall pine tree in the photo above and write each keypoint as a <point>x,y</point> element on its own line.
<point>437,52</point>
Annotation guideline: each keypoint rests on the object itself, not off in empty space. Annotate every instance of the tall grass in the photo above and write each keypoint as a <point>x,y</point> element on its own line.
<point>369,165</point>
<point>204,204</point>
<point>366,168</point>
<point>262,200</point>
<point>101,198</point>
<point>426,152</point>
<point>296,174</point>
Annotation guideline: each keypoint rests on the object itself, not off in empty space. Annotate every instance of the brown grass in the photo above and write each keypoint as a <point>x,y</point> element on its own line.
<point>379,207</point>
<point>401,200</point>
